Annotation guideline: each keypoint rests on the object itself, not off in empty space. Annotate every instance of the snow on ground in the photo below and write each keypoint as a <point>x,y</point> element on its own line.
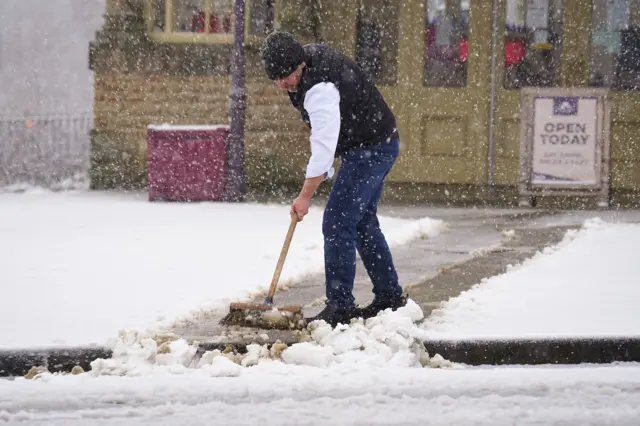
<point>373,373</point>
<point>369,373</point>
<point>273,393</point>
<point>77,267</point>
<point>587,285</point>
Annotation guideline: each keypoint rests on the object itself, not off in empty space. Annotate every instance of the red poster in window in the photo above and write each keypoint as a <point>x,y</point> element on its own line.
<point>463,54</point>
<point>514,51</point>
<point>197,23</point>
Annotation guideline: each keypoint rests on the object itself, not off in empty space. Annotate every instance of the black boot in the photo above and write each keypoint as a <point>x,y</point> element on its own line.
<point>333,316</point>
<point>379,305</point>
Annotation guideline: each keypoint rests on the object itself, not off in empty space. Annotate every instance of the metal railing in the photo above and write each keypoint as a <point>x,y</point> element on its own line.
<point>44,151</point>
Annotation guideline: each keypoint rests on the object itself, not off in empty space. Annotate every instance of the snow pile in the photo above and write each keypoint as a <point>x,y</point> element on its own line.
<point>422,228</point>
<point>135,354</point>
<point>584,286</point>
<point>390,339</point>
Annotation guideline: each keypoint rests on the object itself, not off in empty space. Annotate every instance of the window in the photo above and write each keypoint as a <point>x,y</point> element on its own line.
<point>262,17</point>
<point>446,40</point>
<point>377,39</point>
<point>532,42</point>
<point>207,21</point>
<point>615,44</point>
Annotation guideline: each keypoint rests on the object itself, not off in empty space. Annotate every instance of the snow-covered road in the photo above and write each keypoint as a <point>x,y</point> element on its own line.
<point>273,393</point>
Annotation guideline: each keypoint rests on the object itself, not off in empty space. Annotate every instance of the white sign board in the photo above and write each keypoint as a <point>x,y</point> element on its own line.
<point>564,141</point>
<point>564,146</point>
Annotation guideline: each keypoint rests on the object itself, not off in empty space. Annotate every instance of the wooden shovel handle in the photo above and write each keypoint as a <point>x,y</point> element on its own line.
<point>283,255</point>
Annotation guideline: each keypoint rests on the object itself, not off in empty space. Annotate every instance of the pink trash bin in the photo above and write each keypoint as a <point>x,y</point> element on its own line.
<point>186,163</point>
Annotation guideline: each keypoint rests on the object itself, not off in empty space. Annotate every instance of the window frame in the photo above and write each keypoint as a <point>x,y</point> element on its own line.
<point>548,46</point>
<point>360,56</point>
<point>427,61</point>
<point>167,35</point>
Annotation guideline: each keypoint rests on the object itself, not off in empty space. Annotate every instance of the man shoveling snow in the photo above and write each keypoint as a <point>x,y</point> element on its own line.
<point>350,119</point>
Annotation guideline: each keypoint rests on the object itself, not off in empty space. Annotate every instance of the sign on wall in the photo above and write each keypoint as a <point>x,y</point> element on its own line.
<point>564,146</point>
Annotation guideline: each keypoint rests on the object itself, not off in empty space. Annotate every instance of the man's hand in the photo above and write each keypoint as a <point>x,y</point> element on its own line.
<point>300,206</point>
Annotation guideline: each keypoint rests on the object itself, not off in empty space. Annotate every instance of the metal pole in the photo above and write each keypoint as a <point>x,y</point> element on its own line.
<point>235,185</point>
<point>492,105</point>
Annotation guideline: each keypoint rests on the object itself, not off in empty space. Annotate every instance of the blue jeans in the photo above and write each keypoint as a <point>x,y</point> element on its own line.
<point>350,223</point>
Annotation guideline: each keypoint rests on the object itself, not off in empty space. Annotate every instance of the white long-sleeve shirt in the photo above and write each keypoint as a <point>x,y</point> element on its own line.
<point>322,103</point>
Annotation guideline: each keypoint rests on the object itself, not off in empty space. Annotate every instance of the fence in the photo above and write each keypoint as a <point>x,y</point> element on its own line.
<point>50,152</point>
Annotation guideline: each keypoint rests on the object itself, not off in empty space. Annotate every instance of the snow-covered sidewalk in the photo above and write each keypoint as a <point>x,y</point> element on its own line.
<point>78,267</point>
<point>586,286</point>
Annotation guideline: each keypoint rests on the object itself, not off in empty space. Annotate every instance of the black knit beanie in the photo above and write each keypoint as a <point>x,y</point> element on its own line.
<point>281,54</point>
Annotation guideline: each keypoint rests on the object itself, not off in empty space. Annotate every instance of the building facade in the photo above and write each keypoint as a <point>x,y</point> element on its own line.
<point>169,61</point>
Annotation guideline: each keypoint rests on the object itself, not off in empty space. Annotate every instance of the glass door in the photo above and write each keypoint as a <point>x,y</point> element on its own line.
<point>529,54</point>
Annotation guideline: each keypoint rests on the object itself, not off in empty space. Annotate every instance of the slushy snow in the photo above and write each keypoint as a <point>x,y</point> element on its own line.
<point>392,338</point>
<point>585,286</point>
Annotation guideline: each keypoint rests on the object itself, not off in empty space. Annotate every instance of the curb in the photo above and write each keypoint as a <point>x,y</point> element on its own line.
<point>17,362</point>
<point>585,350</point>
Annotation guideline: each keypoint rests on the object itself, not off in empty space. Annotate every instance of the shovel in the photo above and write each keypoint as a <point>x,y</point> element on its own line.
<point>267,315</point>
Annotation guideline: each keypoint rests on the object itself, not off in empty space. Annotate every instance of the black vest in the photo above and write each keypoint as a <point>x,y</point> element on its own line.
<point>365,117</point>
